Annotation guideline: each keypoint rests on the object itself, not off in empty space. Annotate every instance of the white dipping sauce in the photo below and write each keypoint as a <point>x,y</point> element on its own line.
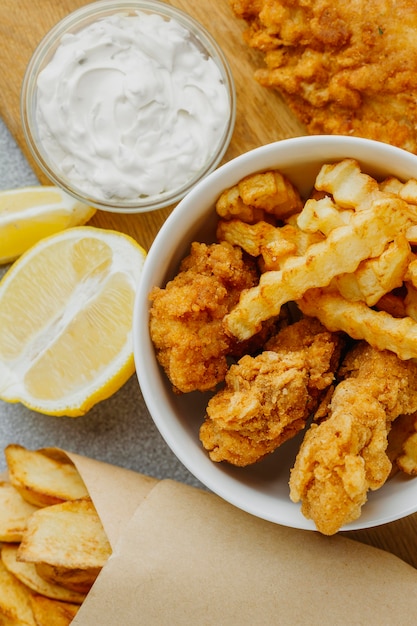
<point>129,107</point>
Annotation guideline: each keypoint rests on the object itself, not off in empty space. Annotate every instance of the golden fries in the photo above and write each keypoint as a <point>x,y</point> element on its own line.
<point>366,236</point>
<point>257,195</point>
<point>378,328</point>
<point>402,447</point>
<point>376,277</point>
<point>273,244</point>
<point>51,553</point>
<point>366,230</point>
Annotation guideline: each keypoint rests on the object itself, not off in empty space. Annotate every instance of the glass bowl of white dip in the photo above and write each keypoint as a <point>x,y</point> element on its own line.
<point>126,105</point>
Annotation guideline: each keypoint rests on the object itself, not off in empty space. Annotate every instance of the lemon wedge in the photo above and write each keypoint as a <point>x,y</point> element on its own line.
<point>66,309</point>
<point>31,213</point>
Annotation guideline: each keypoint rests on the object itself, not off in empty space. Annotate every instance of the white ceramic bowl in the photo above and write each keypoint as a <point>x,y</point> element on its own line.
<point>261,489</point>
<point>72,83</point>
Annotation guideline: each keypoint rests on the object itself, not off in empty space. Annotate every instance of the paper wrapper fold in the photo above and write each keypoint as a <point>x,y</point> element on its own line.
<point>182,556</point>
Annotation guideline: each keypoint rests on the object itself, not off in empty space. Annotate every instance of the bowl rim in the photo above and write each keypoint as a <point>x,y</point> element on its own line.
<point>150,375</point>
<point>81,17</point>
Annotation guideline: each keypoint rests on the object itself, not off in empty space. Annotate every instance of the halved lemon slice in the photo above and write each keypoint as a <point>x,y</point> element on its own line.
<point>66,309</point>
<point>32,213</point>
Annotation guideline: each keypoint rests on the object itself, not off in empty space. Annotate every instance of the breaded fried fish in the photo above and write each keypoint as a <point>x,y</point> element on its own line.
<point>186,317</point>
<point>345,456</point>
<point>345,68</point>
<point>268,398</point>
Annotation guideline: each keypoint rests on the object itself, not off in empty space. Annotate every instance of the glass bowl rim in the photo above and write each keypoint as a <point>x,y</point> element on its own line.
<point>80,18</point>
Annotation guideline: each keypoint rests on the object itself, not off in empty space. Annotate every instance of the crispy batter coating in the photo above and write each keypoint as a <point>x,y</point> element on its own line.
<point>268,398</point>
<point>344,456</point>
<point>343,67</point>
<point>186,318</point>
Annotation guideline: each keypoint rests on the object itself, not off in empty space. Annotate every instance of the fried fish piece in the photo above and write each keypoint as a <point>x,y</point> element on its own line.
<point>345,456</point>
<point>343,67</point>
<point>268,398</point>
<point>186,317</point>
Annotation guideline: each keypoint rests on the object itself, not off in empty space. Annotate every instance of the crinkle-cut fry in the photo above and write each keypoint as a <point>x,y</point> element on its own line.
<point>402,444</point>
<point>254,237</point>
<point>274,244</point>
<point>407,461</point>
<point>412,272</point>
<point>410,301</point>
<point>272,192</point>
<point>391,185</point>
<point>364,237</point>
<point>230,205</point>
<point>378,328</point>
<point>378,276</point>
<point>322,215</point>
<point>411,234</point>
<point>349,186</point>
<point>408,191</point>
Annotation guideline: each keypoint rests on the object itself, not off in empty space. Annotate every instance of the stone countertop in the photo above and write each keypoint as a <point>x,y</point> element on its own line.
<point>118,430</point>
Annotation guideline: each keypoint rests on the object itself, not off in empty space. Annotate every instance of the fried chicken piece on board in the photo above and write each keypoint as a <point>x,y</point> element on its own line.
<point>345,456</point>
<point>268,398</point>
<point>186,317</point>
<point>343,67</point>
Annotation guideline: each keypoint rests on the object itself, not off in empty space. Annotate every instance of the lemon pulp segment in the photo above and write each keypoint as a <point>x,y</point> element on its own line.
<point>66,320</point>
<point>32,213</point>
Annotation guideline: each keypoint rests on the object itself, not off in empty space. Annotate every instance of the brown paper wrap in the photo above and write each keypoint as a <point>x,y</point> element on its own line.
<point>182,556</point>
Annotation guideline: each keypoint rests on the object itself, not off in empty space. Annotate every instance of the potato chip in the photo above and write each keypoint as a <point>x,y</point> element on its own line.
<point>367,234</point>
<point>15,607</point>
<point>14,513</point>
<point>79,580</point>
<point>26,573</point>
<point>67,543</point>
<point>41,479</point>
<point>49,612</point>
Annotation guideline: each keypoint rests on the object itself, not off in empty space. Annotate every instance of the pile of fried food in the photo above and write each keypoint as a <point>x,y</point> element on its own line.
<point>53,545</point>
<point>343,67</point>
<point>303,315</point>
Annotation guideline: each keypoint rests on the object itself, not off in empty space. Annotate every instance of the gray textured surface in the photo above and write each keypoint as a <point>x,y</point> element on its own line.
<point>119,430</point>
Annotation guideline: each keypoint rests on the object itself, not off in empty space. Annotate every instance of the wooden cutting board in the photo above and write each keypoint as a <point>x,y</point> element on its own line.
<point>261,117</point>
